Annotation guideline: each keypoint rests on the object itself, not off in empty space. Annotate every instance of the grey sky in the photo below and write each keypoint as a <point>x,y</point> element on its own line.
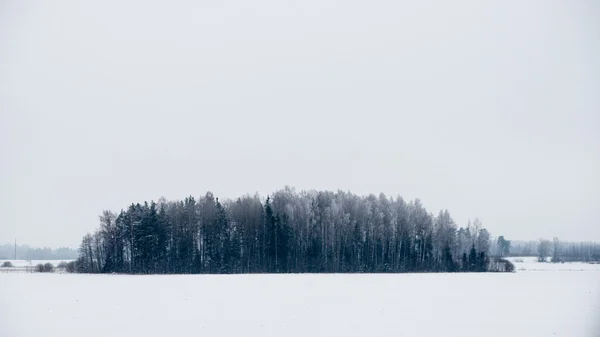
<point>488,109</point>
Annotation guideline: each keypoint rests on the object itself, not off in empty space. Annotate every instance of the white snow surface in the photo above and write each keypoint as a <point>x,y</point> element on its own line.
<point>538,300</point>
<point>531,264</point>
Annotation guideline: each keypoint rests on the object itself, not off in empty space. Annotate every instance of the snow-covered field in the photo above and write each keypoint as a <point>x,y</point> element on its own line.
<point>531,264</point>
<point>541,300</point>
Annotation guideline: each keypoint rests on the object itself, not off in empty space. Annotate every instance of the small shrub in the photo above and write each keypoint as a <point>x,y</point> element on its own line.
<point>518,260</point>
<point>62,265</point>
<point>7,264</point>
<point>509,267</point>
<point>501,265</point>
<point>44,268</point>
<point>48,267</point>
<point>71,267</point>
<point>79,266</point>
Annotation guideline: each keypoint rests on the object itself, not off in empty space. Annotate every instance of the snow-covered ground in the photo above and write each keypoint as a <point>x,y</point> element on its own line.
<point>555,302</point>
<point>531,264</point>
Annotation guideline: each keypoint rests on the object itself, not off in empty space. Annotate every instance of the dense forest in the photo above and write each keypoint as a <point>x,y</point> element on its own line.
<point>289,232</point>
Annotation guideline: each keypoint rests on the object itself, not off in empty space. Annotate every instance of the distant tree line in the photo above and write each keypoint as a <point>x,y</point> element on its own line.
<point>551,251</point>
<point>289,232</point>
<point>25,252</point>
<point>558,251</point>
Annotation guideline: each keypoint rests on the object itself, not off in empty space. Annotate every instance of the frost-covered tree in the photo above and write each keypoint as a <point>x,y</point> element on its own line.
<point>483,240</point>
<point>543,250</point>
<point>556,251</point>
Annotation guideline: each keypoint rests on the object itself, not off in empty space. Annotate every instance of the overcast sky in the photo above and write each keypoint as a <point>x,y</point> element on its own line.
<point>490,109</point>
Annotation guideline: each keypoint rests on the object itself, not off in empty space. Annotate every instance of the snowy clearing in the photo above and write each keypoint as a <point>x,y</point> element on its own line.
<point>549,303</point>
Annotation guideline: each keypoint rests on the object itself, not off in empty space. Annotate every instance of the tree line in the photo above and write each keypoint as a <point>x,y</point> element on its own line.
<point>558,251</point>
<point>25,252</point>
<point>549,251</point>
<point>289,232</point>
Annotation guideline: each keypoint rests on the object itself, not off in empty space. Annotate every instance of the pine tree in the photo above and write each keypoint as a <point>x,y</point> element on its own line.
<point>504,246</point>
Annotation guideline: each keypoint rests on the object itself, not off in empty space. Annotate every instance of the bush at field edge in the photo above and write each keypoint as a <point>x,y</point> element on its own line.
<point>44,268</point>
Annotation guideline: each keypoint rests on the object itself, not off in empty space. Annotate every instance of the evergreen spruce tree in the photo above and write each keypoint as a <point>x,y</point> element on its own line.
<point>448,260</point>
<point>482,262</point>
<point>465,263</point>
<point>271,232</point>
<point>472,259</point>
